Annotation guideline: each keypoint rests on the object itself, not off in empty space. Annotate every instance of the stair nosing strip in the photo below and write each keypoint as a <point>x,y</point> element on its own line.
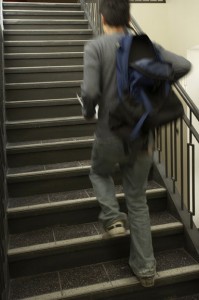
<point>47,31</point>
<point>46,12</point>
<point>38,103</point>
<point>83,241</point>
<point>44,85</point>
<point>43,144</point>
<point>46,173</point>
<point>53,122</point>
<point>46,21</point>
<point>17,3</point>
<point>46,55</point>
<point>70,204</point>
<point>45,43</point>
<point>43,69</point>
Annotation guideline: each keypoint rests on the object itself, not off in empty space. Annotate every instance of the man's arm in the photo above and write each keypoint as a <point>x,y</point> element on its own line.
<point>181,66</point>
<point>90,89</point>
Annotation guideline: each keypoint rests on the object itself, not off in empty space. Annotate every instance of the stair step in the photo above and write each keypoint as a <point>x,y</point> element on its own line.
<point>79,206</point>
<point>45,24</point>
<point>112,280</point>
<point>42,90</point>
<point>44,46</point>
<point>45,129</point>
<point>38,14</point>
<point>36,251</point>
<point>39,6</point>
<point>39,109</point>
<point>72,199</point>
<point>39,34</point>
<point>43,59</point>
<point>48,151</point>
<point>43,74</point>
<point>48,178</point>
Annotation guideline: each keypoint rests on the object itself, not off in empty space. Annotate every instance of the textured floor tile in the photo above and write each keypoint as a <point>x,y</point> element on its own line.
<point>83,276</point>
<point>71,164</point>
<point>153,185</point>
<point>90,192</point>
<point>27,201</point>
<point>99,227</point>
<point>26,169</point>
<point>118,269</point>
<point>34,286</point>
<point>162,217</point>
<point>64,232</point>
<point>69,195</point>
<point>84,163</point>
<point>173,259</point>
<point>31,238</point>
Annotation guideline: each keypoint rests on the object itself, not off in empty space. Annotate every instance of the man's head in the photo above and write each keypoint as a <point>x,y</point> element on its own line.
<point>115,13</point>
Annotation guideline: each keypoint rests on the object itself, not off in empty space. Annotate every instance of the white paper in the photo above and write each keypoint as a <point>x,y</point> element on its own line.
<point>80,100</point>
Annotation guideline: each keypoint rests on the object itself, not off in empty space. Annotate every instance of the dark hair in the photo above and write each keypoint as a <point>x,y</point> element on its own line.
<point>116,12</point>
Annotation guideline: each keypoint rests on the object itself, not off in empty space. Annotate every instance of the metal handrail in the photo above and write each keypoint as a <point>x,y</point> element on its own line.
<point>3,199</point>
<point>176,142</point>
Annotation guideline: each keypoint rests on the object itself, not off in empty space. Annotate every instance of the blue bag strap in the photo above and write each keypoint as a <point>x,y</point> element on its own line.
<point>122,64</point>
<point>146,102</point>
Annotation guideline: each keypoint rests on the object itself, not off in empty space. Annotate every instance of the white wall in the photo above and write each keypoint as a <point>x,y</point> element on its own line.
<point>175,24</point>
<point>192,87</point>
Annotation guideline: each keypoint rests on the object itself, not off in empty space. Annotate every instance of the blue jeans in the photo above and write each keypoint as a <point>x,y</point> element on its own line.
<point>135,167</point>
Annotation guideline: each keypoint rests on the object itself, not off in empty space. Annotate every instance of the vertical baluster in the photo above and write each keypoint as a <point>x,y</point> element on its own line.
<point>182,162</point>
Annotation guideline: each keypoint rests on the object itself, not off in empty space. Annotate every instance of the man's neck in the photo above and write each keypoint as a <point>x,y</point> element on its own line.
<point>113,29</point>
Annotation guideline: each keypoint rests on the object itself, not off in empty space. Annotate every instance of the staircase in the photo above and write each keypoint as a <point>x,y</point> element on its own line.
<point>56,246</point>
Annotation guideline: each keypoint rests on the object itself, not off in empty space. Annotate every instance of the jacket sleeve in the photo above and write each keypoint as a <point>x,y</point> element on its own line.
<point>181,66</point>
<point>90,89</point>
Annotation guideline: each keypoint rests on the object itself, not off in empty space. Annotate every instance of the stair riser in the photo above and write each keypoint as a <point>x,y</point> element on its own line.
<point>49,156</point>
<point>50,132</point>
<point>44,76</point>
<point>53,184</point>
<point>96,252</point>
<point>45,26</point>
<point>32,62</point>
<point>46,37</point>
<point>75,216</point>
<point>40,112</point>
<point>44,49</point>
<point>42,93</point>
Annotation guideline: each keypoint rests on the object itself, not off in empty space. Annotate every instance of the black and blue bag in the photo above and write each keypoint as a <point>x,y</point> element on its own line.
<point>144,81</point>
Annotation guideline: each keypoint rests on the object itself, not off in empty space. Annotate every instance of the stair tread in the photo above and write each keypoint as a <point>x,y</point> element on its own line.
<point>22,204</point>
<point>50,237</point>
<point>32,144</point>
<point>173,265</point>
<point>45,102</point>
<point>42,169</point>
<point>48,121</point>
